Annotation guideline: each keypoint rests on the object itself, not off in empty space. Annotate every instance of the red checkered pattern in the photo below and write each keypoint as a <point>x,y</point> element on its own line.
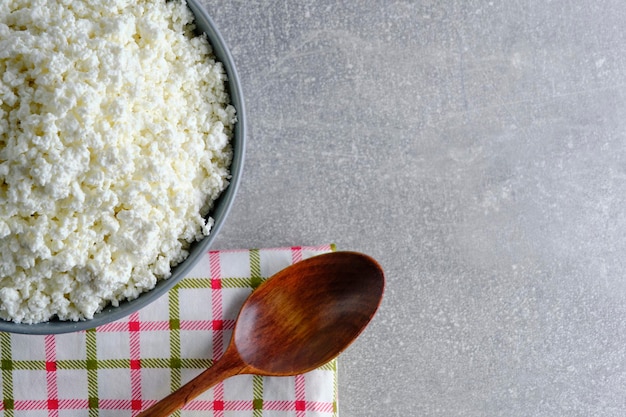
<point>124,367</point>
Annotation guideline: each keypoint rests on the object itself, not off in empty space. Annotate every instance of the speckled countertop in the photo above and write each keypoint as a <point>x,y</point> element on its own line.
<point>477,149</point>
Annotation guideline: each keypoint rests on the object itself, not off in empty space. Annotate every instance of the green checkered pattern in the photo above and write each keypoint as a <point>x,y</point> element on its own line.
<point>124,367</point>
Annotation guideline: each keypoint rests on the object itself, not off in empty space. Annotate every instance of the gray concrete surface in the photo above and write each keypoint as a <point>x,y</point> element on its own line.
<point>477,149</point>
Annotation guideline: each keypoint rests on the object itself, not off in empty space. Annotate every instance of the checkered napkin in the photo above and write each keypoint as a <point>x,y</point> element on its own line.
<point>123,367</point>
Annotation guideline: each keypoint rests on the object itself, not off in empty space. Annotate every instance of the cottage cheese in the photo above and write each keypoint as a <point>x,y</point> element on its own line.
<point>114,142</point>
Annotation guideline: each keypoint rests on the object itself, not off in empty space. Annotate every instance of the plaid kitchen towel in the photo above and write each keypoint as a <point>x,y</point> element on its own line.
<point>124,367</point>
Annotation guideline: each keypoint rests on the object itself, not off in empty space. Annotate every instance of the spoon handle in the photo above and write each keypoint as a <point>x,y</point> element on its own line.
<point>229,365</point>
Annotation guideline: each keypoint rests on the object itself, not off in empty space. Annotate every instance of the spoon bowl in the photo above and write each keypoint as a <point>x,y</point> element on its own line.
<point>296,321</point>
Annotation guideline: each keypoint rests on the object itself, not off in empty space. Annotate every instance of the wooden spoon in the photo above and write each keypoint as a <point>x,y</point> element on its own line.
<point>296,321</point>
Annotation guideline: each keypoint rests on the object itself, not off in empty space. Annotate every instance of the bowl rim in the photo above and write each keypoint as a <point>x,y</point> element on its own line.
<point>219,212</point>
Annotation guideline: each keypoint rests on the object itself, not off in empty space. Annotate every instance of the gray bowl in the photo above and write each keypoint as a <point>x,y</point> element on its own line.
<point>219,212</point>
